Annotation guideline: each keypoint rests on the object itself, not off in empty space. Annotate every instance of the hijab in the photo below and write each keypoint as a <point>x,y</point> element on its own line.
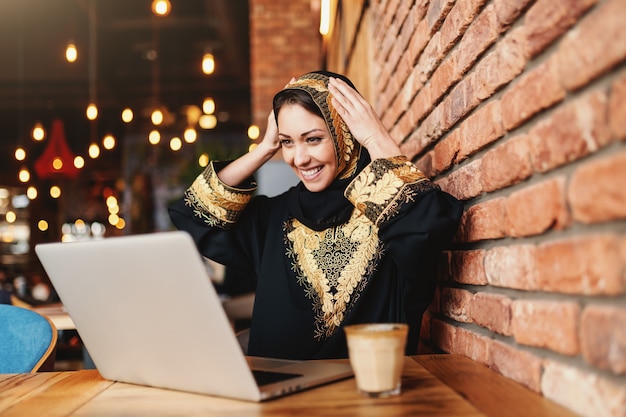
<point>329,207</point>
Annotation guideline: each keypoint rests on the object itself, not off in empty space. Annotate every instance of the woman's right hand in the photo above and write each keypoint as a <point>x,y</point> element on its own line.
<point>270,140</point>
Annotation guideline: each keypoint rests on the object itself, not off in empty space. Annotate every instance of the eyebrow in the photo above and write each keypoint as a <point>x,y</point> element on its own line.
<point>304,133</point>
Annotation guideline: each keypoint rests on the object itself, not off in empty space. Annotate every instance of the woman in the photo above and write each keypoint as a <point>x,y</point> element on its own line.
<point>357,240</point>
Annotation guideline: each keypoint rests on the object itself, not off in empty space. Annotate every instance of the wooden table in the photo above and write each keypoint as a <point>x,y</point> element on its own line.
<point>432,385</point>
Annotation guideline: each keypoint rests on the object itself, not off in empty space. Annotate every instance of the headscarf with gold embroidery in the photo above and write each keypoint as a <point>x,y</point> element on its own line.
<point>320,210</point>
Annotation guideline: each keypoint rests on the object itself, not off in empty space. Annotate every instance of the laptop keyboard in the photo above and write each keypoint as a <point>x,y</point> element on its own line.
<point>269,377</point>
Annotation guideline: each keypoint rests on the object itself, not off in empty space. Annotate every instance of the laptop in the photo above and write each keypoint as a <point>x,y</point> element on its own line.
<point>148,314</point>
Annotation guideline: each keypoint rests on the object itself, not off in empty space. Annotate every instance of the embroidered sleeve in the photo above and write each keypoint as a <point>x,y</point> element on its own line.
<point>215,203</point>
<point>384,186</point>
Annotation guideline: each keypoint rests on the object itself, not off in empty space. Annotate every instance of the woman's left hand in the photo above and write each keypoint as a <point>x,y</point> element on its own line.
<point>361,119</point>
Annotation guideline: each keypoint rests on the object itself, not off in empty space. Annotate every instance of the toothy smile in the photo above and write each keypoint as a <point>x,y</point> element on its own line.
<point>310,172</point>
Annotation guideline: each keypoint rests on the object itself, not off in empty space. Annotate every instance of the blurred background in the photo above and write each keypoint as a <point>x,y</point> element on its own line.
<point>110,108</point>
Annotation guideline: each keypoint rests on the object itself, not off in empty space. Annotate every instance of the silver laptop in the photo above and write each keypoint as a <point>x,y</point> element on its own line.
<point>148,314</point>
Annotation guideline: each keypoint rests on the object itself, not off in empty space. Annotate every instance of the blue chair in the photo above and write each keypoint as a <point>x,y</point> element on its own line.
<point>27,340</point>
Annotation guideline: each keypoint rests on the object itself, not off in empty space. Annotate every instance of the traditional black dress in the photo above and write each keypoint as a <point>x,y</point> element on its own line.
<point>364,250</point>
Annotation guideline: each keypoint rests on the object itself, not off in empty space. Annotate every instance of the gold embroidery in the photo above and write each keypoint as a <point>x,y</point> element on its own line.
<point>384,185</point>
<point>334,266</point>
<point>213,201</point>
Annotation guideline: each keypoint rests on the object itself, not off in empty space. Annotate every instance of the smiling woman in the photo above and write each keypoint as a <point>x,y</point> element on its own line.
<point>340,247</point>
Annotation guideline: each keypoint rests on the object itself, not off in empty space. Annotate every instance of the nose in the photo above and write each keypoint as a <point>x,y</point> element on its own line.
<point>301,155</point>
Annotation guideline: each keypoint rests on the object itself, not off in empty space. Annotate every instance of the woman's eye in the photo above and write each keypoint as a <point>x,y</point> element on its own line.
<point>285,142</point>
<point>314,139</point>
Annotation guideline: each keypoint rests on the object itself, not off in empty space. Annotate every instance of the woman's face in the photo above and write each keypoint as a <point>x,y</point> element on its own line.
<point>307,146</point>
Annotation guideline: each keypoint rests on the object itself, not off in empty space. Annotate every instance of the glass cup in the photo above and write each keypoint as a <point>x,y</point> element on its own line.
<point>376,353</point>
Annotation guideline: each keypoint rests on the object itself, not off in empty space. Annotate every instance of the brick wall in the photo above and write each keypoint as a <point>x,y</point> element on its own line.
<point>284,42</point>
<point>517,107</point>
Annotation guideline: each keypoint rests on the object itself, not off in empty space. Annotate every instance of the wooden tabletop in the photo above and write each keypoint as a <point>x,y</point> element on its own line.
<point>432,385</point>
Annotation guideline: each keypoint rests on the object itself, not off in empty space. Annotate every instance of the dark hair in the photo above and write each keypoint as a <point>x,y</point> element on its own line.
<point>295,96</point>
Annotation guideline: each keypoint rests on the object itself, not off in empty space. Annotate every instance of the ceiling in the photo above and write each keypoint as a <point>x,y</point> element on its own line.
<point>127,57</point>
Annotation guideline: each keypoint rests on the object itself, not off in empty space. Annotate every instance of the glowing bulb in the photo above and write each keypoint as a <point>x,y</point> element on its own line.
<point>203,160</point>
<point>111,201</point>
<point>71,53</point>
<point>154,137</point>
<point>253,132</point>
<point>208,106</point>
<point>207,121</point>
<point>190,135</point>
<point>108,142</point>
<point>31,192</point>
<point>57,163</point>
<point>20,154</point>
<point>79,162</point>
<point>55,191</point>
<point>120,223</point>
<point>92,112</point>
<point>208,64</point>
<point>252,146</point>
<point>325,17</point>
<point>157,117</point>
<point>175,144</point>
<point>38,132</point>
<point>10,216</point>
<point>42,225</point>
<point>24,175</point>
<point>113,219</point>
<point>161,7</point>
<point>94,151</point>
<point>127,115</point>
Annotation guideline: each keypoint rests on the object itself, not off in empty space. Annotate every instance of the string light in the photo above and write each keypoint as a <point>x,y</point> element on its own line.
<point>161,7</point>
<point>208,106</point>
<point>208,64</point>
<point>20,154</point>
<point>108,142</point>
<point>190,135</point>
<point>92,111</point>
<point>94,151</point>
<point>253,132</point>
<point>154,137</point>
<point>71,53</point>
<point>79,162</point>
<point>38,132</point>
<point>127,115</point>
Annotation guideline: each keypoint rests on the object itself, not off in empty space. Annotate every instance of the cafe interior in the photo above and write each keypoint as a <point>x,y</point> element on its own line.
<point>109,109</point>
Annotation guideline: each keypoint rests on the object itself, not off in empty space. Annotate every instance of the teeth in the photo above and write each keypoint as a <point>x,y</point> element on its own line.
<point>310,172</point>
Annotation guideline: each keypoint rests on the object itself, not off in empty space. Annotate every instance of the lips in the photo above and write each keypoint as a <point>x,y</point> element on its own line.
<point>310,172</point>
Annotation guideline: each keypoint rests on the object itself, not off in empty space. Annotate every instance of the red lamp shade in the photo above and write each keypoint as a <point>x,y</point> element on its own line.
<point>57,160</point>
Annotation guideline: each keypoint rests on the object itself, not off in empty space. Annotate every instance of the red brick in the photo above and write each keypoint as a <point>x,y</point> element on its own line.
<point>425,164</point>
<point>481,128</point>
<point>588,265</point>
<point>584,392</point>
<point>546,20</point>
<point>468,267</point>
<point>481,34</point>
<point>603,337</point>
<point>455,303</point>
<point>547,324</point>
<point>506,164</point>
<point>437,11</point>
<point>500,66</point>
<point>537,208</point>
<point>533,92</point>
<point>512,267</point>
<point>442,334</point>
<point>597,45</point>
<point>492,311</point>
<point>483,221</point>
<point>597,192</point>
<point>517,365</point>
<point>446,151</point>
<point>508,11</point>
<point>571,132</point>
<point>472,345</point>
<point>617,109</point>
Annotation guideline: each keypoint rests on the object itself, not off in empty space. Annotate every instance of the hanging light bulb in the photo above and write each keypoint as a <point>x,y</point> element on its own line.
<point>55,191</point>
<point>154,137</point>
<point>71,53</point>
<point>92,111</point>
<point>24,175</point>
<point>253,132</point>
<point>94,151</point>
<point>108,142</point>
<point>207,121</point>
<point>208,64</point>
<point>31,193</point>
<point>156,117</point>
<point>208,106</point>
<point>127,115</point>
<point>79,162</point>
<point>176,144</point>
<point>190,135</point>
<point>20,154</point>
<point>203,160</point>
<point>57,163</point>
<point>38,133</point>
<point>161,7</point>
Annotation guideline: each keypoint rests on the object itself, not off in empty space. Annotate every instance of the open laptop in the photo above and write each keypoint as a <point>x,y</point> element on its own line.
<point>148,314</point>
